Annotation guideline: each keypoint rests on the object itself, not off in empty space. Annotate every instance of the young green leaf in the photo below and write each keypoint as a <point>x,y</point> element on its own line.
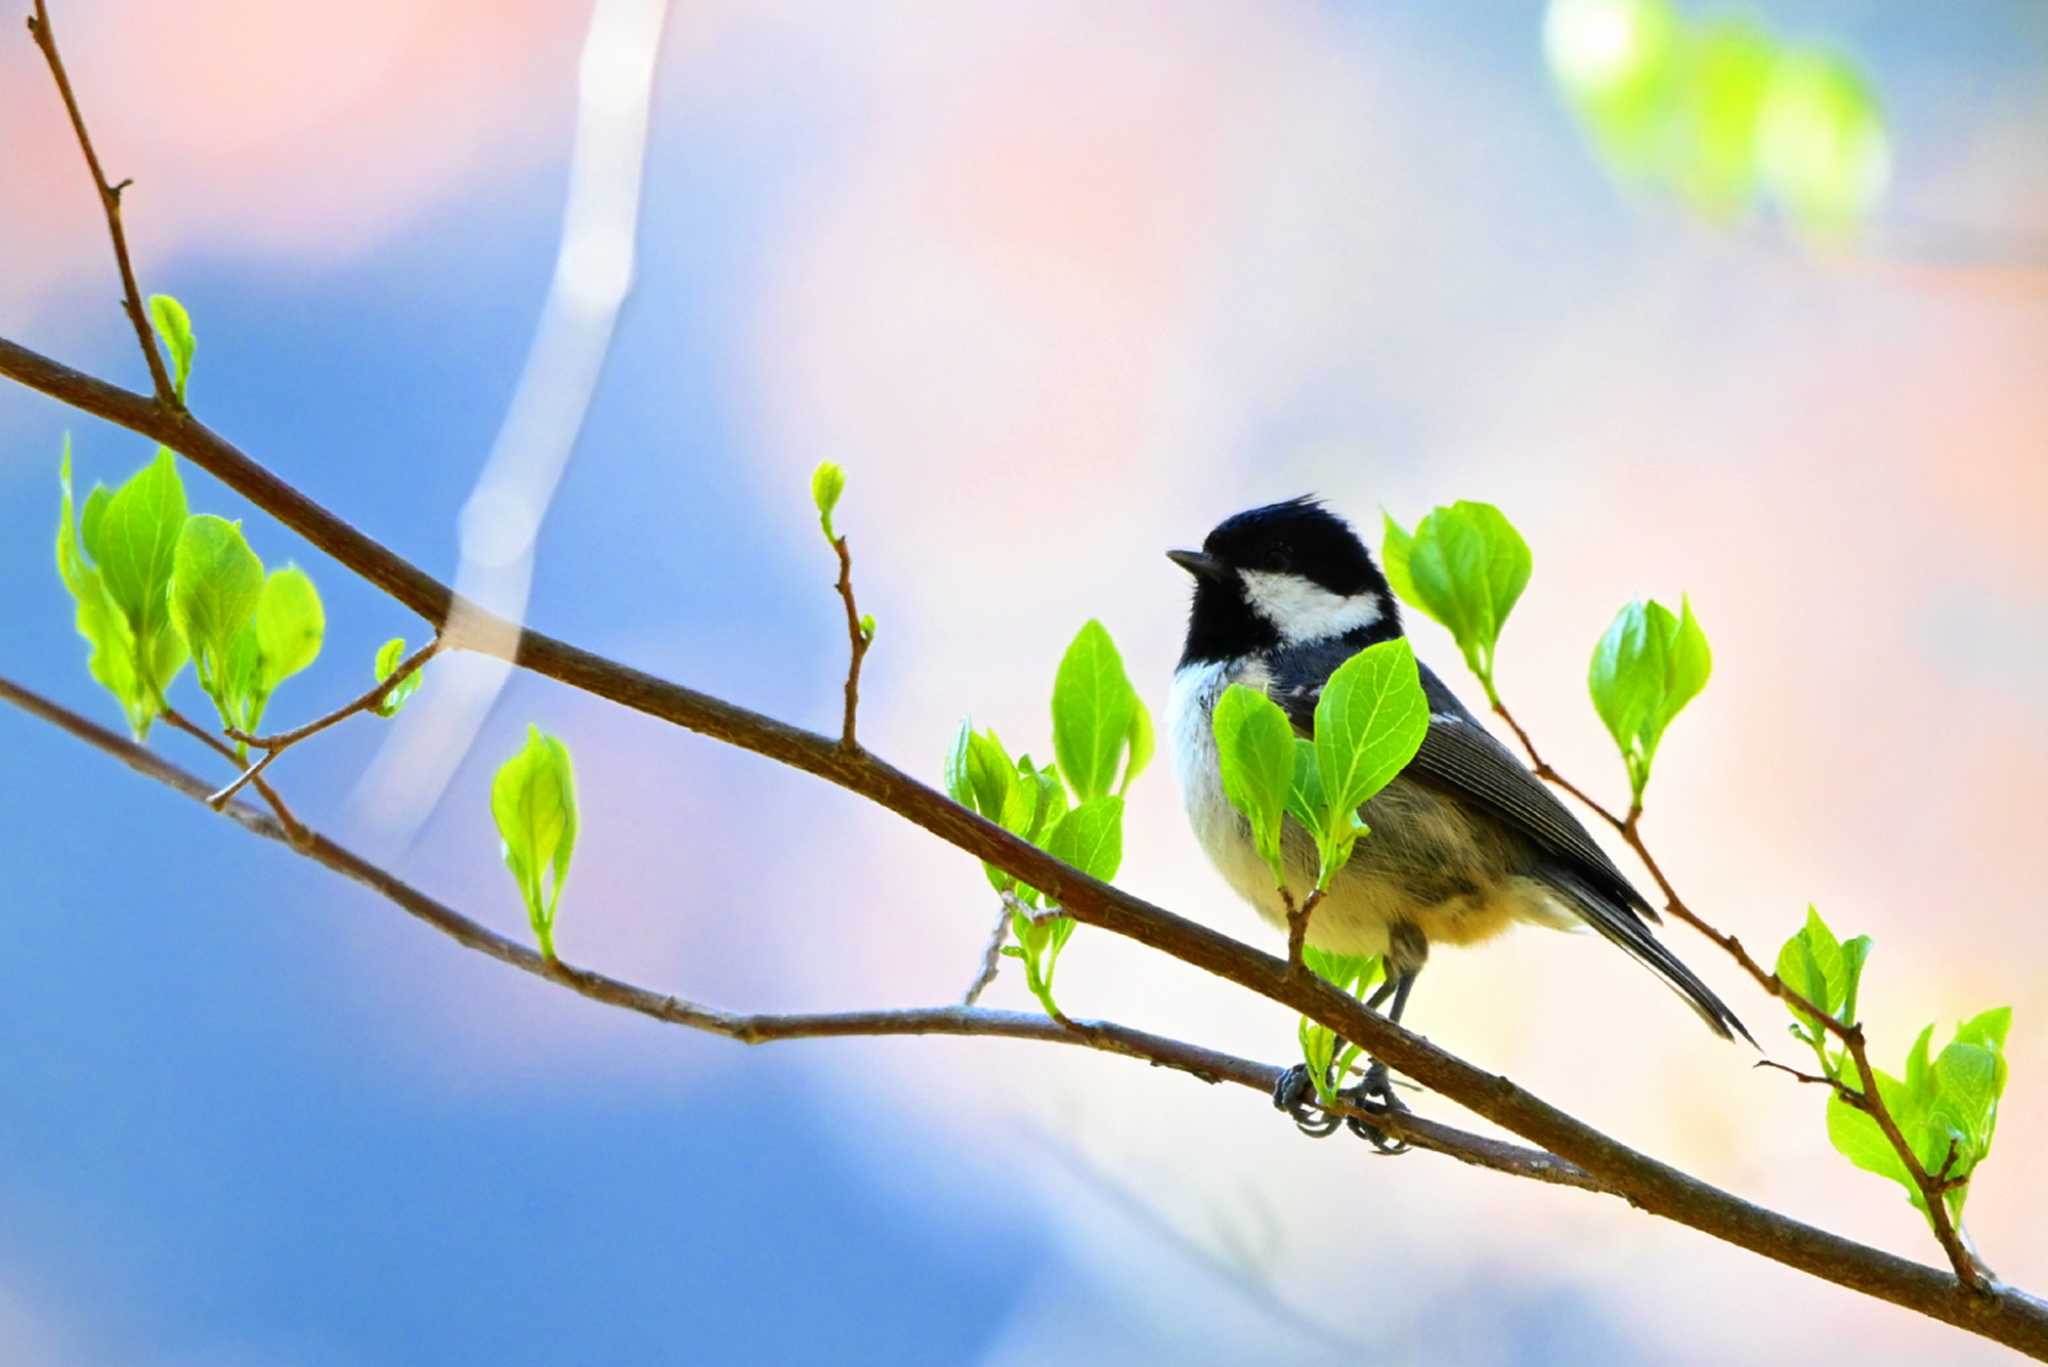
<point>1092,712</point>
<point>1397,547</point>
<point>174,325</point>
<point>1465,566</point>
<point>290,625</point>
<point>1255,754</point>
<point>1139,742</point>
<point>533,801</point>
<point>216,581</point>
<point>1369,722</point>
<point>102,624</point>
<point>980,776</point>
<point>1091,837</point>
<point>828,482</point>
<point>1728,69</point>
<point>1821,142</point>
<point>388,657</point>
<point>137,535</point>
<point>1648,665</point>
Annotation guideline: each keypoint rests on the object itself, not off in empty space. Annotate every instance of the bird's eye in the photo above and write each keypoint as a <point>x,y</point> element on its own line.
<point>1280,556</point>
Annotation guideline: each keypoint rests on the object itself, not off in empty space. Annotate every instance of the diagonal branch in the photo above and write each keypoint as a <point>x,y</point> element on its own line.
<point>1868,1098</point>
<point>110,201</point>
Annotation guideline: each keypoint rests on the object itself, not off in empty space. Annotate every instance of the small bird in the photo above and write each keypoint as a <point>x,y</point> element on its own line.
<point>1465,841</point>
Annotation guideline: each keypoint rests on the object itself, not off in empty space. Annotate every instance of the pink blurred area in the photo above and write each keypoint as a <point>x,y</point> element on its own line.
<point>1077,281</point>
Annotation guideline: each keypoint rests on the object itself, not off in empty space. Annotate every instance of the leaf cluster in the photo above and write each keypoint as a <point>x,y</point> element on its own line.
<point>1072,808</point>
<point>1946,1107</point>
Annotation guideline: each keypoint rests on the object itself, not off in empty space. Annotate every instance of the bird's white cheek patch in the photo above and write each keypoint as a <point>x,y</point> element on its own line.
<point>1302,610</point>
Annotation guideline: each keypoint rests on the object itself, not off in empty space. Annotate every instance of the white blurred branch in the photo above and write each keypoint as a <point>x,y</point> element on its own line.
<point>500,523</point>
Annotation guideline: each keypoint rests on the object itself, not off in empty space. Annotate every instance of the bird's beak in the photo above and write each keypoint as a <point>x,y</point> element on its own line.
<point>1199,563</point>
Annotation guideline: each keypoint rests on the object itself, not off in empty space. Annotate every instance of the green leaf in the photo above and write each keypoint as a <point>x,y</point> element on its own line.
<point>1092,707</point>
<point>1619,64</point>
<point>1465,566</point>
<point>137,533</point>
<point>290,625</point>
<point>1306,802</point>
<point>828,482</point>
<point>867,626</point>
<point>1397,547</point>
<point>1091,837</point>
<point>1369,722</point>
<point>1255,753</point>
<point>1049,798</point>
<point>102,624</point>
<point>1822,145</point>
<point>1140,742</point>
<point>1855,953</point>
<point>389,656</point>
<point>1648,665</point>
<point>1812,965</point>
<point>1353,973</point>
<point>981,777</point>
<point>1729,64</point>
<point>216,581</point>
<point>1859,1139</point>
<point>174,325</point>
<point>533,801</point>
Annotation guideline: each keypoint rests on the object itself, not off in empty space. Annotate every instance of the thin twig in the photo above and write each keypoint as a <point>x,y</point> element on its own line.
<point>1868,1098</point>
<point>274,745</point>
<point>991,957</point>
<point>294,828</point>
<point>1550,775</point>
<point>858,642</point>
<point>110,201</point>
<point>1297,926</point>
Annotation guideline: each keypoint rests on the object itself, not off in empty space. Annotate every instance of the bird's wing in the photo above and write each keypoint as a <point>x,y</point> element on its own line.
<point>1461,754</point>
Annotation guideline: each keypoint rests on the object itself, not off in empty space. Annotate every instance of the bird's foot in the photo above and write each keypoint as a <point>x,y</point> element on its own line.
<point>1295,1094</point>
<point>1376,1088</point>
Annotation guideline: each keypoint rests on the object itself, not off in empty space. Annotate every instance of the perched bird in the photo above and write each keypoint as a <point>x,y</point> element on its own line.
<point>1465,842</point>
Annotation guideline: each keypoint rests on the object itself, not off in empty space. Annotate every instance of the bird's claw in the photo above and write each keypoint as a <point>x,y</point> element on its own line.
<point>1295,1094</point>
<point>1375,1088</point>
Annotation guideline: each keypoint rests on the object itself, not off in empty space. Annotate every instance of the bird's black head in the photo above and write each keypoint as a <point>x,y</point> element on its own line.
<point>1286,574</point>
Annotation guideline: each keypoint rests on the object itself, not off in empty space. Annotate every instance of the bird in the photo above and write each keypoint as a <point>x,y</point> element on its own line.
<point>1466,841</point>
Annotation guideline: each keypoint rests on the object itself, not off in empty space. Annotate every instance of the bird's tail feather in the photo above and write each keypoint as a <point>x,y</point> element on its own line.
<point>1622,928</point>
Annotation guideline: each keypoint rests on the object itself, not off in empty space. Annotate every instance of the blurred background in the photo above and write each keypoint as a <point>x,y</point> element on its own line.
<point>1061,285</point>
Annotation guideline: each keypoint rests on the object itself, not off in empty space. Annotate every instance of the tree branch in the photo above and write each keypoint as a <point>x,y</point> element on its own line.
<point>1970,1269</point>
<point>110,202</point>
